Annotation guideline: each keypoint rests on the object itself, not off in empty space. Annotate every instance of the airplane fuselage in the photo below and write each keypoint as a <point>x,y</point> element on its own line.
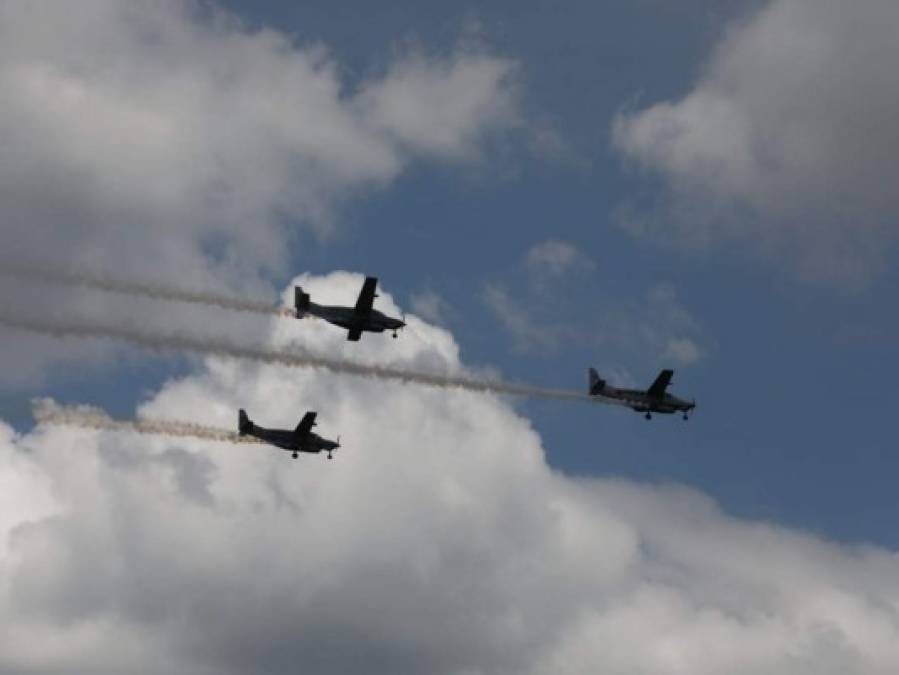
<point>360,318</point>
<point>288,440</point>
<point>371,321</point>
<point>641,401</point>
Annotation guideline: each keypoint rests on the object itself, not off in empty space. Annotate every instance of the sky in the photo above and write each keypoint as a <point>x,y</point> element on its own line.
<point>540,189</point>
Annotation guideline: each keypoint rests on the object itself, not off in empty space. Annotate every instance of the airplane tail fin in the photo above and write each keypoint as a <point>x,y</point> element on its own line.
<point>301,301</point>
<point>244,425</point>
<point>596,383</point>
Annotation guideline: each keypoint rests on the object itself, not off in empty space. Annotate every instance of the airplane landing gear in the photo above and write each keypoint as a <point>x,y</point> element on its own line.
<point>648,416</point>
<point>329,455</point>
<point>686,417</point>
<point>295,455</point>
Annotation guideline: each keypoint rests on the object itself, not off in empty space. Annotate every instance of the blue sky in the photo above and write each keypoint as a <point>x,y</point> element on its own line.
<point>796,380</point>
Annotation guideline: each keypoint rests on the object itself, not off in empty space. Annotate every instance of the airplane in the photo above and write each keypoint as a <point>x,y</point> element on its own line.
<point>301,439</point>
<point>356,319</point>
<point>652,400</point>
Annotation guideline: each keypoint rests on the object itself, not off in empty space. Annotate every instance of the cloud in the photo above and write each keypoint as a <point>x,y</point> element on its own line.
<point>556,258</point>
<point>433,307</point>
<point>166,140</point>
<point>669,327</point>
<point>528,331</point>
<point>537,314</point>
<point>548,265</point>
<point>438,541</point>
<point>683,351</point>
<point>789,137</point>
<point>442,107</point>
<point>521,311</point>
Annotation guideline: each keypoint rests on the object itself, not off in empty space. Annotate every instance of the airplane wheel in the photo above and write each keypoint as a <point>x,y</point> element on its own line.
<point>648,416</point>
<point>295,455</point>
<point>685,418</point>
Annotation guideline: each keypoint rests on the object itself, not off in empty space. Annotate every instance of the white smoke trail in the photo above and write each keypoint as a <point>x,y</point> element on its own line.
<point>47,411</point>
<point>219,347</point>
<point>153,291</point>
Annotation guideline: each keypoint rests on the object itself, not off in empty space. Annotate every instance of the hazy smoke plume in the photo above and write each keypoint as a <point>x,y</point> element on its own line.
<point>47,411</point>
<point>292,359</point>
<point>153,291</point>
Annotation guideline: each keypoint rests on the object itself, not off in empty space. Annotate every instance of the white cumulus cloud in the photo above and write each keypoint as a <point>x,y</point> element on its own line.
<point>790,136</point>
<point>438,540</point>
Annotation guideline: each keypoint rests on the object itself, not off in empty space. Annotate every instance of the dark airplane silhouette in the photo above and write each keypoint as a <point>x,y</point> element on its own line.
<point>301,439</point>
<point>356,319</point>
<point>649,401</point>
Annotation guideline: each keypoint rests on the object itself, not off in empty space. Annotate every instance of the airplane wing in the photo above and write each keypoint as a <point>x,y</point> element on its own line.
<point>661,383</point>
<point>368,295</point>
<point>306,424</point>
<point>354,334</point>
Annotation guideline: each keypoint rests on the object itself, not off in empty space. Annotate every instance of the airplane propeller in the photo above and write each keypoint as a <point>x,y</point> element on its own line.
<point>691,409</point>
<point>403,326</point>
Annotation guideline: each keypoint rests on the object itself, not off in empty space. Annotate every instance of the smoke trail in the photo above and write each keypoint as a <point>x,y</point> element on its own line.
<point>46,411</point>
<point>153,291</point>
<point>218,347</point>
